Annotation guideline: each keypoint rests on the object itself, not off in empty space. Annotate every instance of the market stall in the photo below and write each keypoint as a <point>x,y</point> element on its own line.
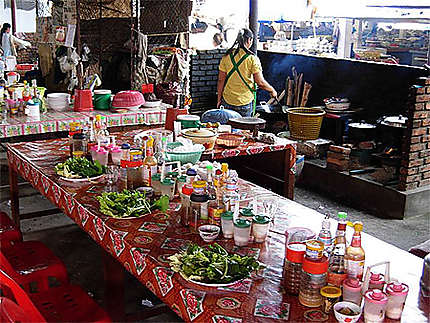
<point>144,244</point>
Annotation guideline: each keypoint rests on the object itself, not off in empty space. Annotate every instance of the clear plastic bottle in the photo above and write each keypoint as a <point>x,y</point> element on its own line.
<point>293,267</point>
<point>336,269</point>
<point>325,236</point>
<point>160,154</point>
<point>230,196</point>
<point>355,255</point>
<point>149,163</point>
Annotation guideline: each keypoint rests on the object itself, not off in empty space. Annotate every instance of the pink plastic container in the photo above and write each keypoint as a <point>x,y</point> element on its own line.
<point>352,291</point>
<point>376,281</point>
<point>102,156</point>
<point>397,293</point>
<point>116,154</point>
<point>375,304</point>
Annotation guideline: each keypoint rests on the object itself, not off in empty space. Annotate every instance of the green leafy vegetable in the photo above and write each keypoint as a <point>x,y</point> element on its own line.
<point>212,264</point>
<point>79,168</point>
<point>129,204</point>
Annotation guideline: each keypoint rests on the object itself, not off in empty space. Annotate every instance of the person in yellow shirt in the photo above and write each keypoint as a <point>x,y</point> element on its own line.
<point>239,73</point>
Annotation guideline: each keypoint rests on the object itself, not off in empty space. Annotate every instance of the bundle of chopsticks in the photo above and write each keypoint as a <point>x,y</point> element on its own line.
<point>297,93</point>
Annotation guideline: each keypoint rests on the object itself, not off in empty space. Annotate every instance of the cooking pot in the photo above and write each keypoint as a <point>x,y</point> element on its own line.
<point>391,129</point>
<point>205,137</point>
<point>361,131</point>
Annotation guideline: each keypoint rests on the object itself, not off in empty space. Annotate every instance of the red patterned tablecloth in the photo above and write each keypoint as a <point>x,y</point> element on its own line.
<point>143,245</point>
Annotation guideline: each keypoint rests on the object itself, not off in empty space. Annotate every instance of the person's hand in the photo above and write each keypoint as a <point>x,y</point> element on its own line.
<point>273,93</point>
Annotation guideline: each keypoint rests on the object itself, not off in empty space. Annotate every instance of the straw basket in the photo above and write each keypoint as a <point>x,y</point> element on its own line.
<point>305,123</point>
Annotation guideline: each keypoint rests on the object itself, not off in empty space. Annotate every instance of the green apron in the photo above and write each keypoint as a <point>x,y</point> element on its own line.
<point>236,69</point>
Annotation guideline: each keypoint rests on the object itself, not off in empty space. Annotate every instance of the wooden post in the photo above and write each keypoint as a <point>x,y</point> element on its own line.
<point>253,23</point>
<point>13,10</point>
<point>14,194</point>
<point>78,28</point>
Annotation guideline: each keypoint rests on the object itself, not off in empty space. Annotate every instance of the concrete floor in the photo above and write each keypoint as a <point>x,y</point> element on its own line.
<point>82,255</point>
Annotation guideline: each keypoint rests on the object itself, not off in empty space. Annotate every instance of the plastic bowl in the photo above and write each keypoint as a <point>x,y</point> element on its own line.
<point>128,99</point>
<point>185,158</point>
<point>342,318</point>
<point>209,232</point>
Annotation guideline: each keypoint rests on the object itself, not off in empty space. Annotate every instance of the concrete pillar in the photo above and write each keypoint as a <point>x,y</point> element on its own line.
<point>345,38</point>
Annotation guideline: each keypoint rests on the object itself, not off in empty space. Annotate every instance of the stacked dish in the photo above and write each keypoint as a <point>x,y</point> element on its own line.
<point>58,101</point>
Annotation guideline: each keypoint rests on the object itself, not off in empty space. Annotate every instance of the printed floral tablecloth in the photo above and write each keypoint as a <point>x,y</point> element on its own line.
<point>142,245</point>
<point>59,121</point>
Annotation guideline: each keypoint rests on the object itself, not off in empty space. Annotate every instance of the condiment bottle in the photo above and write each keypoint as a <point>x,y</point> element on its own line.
<point>376,281</point>
<point>325,236</point>
<point>336,270</point>
<point>227,224</point>
<point>352,291</point>
<point>199,210</point>
<point>224,175</point>
<point>260,227</point>
<point>79,143</point>
<point>397,293</point>
<point>242,231</point>
<point>314,249</point>
<point>314,277</point>
<point>186,205</point>
<point>355,256</point>
<point>331,295</point>
<point>191,175</point>
<point>231,196</point>
<point>149,163</point>
<point>125,148</point>
<point>295,253</point>
<point>375,304</point>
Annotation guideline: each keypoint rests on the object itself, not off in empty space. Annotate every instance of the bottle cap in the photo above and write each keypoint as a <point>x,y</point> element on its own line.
<point>199,184</point>
<point>182,178</point>
<point>187,190</point>
<point>316,267</point>
<point>241,223</point>
<point>246,212</point>
<point>358,226</point>
<point>376,278</point>
<point>331,291</point>
<point>209,167</point>
<point>156,177</point>
<point>167,181</point>
<point>228,215</point>
<point>261,219</point>
<point>200,198</point>
<point>79,136</point>
<point>191,172</point>
<point>125,146</point>
<point>342,215</point>
<point>352,284</point>
<point>173,174</point>
<point>296,252</point>
<point>163,139</point>
<point>376,296</point>
<point>224,167</point>
<point>396,288</point>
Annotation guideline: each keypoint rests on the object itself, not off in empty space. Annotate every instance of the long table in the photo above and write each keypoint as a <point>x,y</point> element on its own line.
<point>142,246</point>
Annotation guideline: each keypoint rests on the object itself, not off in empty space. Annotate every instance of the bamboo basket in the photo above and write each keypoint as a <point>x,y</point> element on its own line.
<point>305,123</point>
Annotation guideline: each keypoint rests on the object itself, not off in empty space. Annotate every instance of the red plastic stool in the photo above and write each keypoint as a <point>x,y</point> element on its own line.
<point>9,233</point>
<point>32,265</point>
<point>18,308</point>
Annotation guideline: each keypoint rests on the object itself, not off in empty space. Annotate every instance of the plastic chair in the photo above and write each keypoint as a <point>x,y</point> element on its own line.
<point>33,266</point>
<point>9,233</point>
<point>68,303</point>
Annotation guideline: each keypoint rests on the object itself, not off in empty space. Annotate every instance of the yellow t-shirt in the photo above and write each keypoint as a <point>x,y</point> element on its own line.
<point>235,91</point>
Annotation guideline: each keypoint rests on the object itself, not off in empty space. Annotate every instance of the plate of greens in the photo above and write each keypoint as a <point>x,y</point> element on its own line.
<point>80,170</point>
<point>212,266</point>
<point>130,204</point>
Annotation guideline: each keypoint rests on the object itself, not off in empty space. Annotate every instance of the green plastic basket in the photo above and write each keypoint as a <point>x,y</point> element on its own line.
<point>184,158</point>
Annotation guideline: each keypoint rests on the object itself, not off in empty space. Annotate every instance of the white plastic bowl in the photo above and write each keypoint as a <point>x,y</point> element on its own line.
<point>209,232</point>
<point>342,318</point>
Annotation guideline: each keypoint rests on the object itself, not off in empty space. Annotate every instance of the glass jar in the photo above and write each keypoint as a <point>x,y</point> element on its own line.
<point>79,142</point>
<point>199,187</point>
<point>199,210</point>
<point>260,227</point>
<point>241,232</point>
<point>331,295</point>
<point>375,304</point>
<point>314,277</point>
<point>227,224</point>
<point>352,291</point>
<point>168,188</point>
<point>293,267</point>
<point>156,184</point>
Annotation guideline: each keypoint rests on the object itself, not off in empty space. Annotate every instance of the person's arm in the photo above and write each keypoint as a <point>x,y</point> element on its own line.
<point>220,88</point>
<point>263,84</point>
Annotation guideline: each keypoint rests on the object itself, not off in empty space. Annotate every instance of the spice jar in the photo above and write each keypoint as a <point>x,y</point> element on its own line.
<point>376,281</point>
<point>314,277</point>
<point>352,291</point>
<point>199,210</point>
<point>227,224</point>
<point>375,304</point>
<point>116,154</point>
<point>156,184</point>
<point>241,232</point>
<point>79,142</point>
<point>78,154</point>
<point>246,214</point>
<point>186,205</point>
<point>314,249</point>
<point>331,295</point>
<point>293,267</point>
<point>167,188</point>
<point>397,293</point>
<point>260,227</point>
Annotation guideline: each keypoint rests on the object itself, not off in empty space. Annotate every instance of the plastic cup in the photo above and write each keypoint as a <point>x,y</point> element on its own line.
<point>241,233</point>
<point>227,224</point>
<point>260,227</point>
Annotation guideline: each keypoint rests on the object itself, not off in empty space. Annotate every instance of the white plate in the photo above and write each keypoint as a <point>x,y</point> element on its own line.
<point>206,284</point>
<point>80,180</point>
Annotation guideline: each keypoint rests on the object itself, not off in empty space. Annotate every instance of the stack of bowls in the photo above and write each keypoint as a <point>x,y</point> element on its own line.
<point>59,101</point>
